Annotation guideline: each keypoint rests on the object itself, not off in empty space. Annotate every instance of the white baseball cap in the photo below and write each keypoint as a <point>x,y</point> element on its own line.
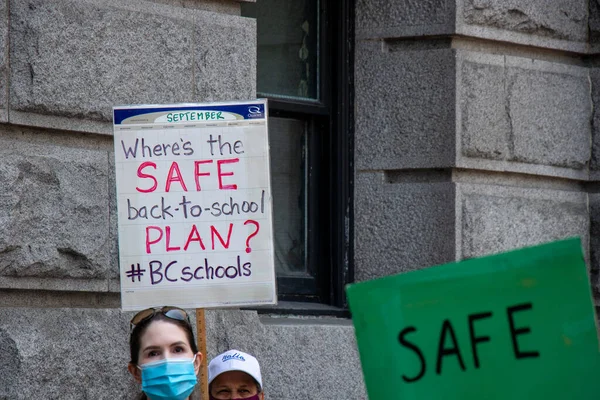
<point>234,360</point>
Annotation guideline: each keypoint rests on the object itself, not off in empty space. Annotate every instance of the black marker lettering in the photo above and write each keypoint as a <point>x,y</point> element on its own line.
<point>442,351</point>
<point>519,331</point>
<point>414,348</point>
<point>477,339</point>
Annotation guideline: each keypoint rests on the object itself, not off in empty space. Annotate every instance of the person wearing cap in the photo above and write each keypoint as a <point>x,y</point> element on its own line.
<point>234,375</point>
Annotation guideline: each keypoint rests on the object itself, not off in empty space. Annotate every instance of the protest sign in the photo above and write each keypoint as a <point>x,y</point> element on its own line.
<point>519,325</point>
<point>194,205</point>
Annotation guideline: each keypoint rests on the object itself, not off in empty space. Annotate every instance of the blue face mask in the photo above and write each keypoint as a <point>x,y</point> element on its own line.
<point>169,379</point>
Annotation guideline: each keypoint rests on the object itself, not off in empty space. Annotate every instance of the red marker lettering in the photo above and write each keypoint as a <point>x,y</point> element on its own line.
<point>174,176</point>
<point>221,174</point>
<point>198,174</point>
<point>150,242</point>
<point>140,174</point>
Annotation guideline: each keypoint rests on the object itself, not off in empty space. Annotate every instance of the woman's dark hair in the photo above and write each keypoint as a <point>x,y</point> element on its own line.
<point>135,339</point>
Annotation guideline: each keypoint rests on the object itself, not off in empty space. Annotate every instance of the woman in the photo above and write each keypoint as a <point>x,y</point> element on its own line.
<point>164,355</point>
<point>234,375</point>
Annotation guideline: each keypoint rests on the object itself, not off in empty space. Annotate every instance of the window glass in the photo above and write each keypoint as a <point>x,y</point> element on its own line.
<point>293,72</point>
<point>288,37</point>
<point>287,139</point>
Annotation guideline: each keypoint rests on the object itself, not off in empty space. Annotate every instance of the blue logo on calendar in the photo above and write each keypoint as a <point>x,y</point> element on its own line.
<point>256,111</point>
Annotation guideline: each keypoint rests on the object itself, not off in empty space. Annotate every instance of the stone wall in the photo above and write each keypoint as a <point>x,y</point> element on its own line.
<point>63,66</point>
<point>476,132</point>
<point>74,353</point>
<point>475,129</point>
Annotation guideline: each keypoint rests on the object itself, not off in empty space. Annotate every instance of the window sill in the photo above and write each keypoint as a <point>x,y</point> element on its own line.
<point>302,309</point>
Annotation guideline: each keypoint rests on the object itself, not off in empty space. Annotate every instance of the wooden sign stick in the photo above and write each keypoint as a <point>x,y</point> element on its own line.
<point>201,332</point>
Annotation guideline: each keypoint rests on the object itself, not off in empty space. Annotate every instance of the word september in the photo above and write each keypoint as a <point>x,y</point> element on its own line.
<point>195,116</point>
<point>447,330</point>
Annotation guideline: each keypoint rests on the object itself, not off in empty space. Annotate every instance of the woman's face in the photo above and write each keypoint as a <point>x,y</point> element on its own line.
<point>234,385</point>
<point>162,340</point>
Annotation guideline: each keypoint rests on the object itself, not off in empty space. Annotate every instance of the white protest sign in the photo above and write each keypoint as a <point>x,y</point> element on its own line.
<point>194,205</point>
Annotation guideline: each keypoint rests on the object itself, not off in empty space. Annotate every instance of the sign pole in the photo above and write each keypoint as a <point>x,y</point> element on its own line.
<point>201,333</point>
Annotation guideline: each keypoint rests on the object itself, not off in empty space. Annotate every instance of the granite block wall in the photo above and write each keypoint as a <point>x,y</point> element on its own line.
<point>72,61</point>
<point>3,60</point>
<point>476,132</point>
<point>63,65</point>
<point>492,100</point>
<point>82,353</point>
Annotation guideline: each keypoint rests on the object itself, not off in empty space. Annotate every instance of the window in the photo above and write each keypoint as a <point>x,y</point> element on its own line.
<point>305,70</point>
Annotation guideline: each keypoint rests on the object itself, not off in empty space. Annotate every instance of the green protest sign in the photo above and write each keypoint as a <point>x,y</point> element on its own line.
<point>518,325</point>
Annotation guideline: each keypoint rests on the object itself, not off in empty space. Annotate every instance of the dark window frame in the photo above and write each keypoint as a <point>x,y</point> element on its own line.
<point>330,177</point>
